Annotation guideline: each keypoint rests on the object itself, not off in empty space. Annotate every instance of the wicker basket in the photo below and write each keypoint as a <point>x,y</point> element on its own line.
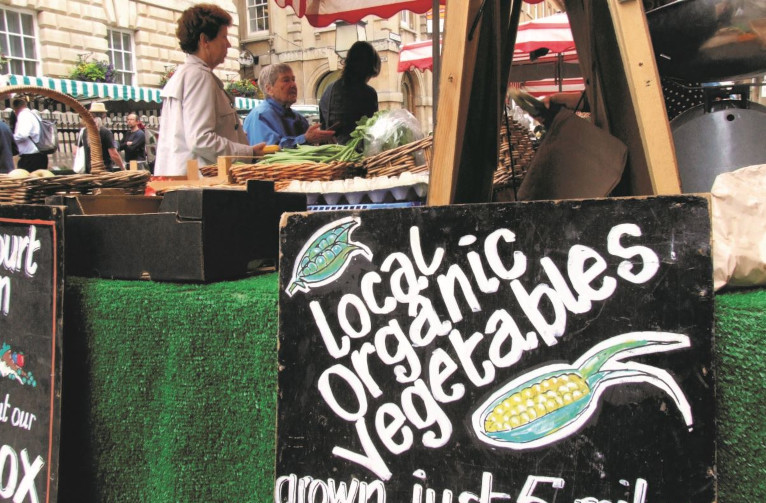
<point>400,159</point>
<point>94,139</point>
<point>308,171</point>
<point>513,159</point>
<point>515,154</point>
<point>34,190</point>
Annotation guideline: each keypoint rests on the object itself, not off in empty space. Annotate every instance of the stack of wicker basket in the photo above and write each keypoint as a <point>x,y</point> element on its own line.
<point>283,174</point>
<point>515,155</point>
<point>516,152</point>
<point>34,190</point>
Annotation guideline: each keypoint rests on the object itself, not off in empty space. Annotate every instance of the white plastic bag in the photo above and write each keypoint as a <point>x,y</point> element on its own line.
<point>392,129</point>
<point>739,227</point>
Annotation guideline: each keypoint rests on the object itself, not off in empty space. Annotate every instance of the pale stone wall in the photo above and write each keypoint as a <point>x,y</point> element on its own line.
<point>68,28</point>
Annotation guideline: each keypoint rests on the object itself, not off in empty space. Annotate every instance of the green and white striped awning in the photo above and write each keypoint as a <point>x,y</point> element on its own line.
<point>90,91</point>
<point>87,90</point>
<point>245,103</point>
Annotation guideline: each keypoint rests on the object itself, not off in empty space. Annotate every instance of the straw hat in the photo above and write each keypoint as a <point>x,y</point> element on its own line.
<point>97,108</point>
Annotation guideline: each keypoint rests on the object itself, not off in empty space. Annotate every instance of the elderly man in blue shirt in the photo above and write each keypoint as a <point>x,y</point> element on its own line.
<point>273,121</point>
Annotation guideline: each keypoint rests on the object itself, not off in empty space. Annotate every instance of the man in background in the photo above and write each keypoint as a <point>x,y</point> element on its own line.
<point>134,142</point>
<point>26,134</point>
<point>112,159</point>
<point>7,148</point>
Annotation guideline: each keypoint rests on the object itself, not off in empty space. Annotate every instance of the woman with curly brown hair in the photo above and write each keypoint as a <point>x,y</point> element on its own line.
<point>199,121</point>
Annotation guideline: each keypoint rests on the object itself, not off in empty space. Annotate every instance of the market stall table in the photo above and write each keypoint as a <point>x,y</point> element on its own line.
<point>170,391</point>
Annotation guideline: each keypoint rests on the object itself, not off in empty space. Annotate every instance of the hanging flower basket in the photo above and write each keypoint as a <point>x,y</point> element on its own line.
<point>93,71</point>
<point>244,88</point>
<point>166,76</point>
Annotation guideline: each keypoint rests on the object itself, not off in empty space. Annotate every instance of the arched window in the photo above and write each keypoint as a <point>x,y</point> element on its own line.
<point>408,96</point>
<point>325,81</point>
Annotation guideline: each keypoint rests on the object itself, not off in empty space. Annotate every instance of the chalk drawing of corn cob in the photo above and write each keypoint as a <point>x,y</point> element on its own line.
<point>326,255</point>
<point>553,402</point>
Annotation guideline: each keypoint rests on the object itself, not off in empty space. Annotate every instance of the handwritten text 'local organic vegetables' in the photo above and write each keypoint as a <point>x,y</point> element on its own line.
<point>408,281</point>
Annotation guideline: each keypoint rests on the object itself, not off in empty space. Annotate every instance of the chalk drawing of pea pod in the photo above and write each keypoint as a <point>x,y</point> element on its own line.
<point>326,255</point>
<point>553,402</point>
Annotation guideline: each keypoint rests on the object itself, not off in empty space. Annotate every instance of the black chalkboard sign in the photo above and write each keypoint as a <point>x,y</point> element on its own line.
<point>532,352</point>
<point>31,288</point>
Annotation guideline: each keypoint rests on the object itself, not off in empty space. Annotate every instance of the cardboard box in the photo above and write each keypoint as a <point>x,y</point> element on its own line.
<point>196,234</point>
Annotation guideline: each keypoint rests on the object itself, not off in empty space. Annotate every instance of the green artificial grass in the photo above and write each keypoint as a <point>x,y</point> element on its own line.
<point>741,395</point>
<point>169,391</point>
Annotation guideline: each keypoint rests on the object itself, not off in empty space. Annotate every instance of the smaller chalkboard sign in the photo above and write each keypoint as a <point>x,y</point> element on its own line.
<point>531,352</point>
<point>31,288</point>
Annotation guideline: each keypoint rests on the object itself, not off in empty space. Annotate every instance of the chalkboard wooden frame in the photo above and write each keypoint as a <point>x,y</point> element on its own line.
<point>31,328</point>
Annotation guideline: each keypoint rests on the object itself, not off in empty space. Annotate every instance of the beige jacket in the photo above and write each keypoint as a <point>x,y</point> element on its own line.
<point>198,121</point>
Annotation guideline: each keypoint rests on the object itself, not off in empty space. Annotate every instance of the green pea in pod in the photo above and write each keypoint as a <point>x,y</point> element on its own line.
<point>326,255</point>
<point>553,402</point>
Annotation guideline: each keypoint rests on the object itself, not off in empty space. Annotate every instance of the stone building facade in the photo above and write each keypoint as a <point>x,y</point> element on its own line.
<point>311,52</point>
<point>49,37</point>
<point>272,34</point>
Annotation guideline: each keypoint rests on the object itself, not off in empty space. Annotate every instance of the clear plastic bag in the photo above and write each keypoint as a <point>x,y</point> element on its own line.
<point>392,129</point>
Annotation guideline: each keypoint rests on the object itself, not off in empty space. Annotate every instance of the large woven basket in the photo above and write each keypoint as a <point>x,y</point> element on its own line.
<point>514,156</point>
<point>94,139</point>
<point>34,190</point>
<point>400,159</point>
<point>515,153</point>
<point>307,171</point>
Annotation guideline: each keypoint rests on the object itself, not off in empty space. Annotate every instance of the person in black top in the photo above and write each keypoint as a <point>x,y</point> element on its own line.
<point>7,148</point>
<point>350,98</point>
<point>134,142</point>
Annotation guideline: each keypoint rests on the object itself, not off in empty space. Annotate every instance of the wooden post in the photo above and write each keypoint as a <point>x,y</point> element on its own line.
<point>646,94</point>
<point>224,167</point>
<point>192,170</point>
<point>454,94</point>
<point>473,82</point>
<point>624,90</point>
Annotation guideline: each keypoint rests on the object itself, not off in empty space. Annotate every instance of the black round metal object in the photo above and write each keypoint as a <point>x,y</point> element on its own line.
<point>718,140</point>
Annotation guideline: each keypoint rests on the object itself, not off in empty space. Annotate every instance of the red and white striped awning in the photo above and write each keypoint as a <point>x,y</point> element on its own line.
<point>545,87</point>
<point>325,12</point>
<point>550,32</point>
<point>416,55</point>
<point>419,55</point>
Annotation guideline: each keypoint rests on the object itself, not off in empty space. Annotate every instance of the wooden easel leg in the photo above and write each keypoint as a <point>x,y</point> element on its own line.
<point>624,90</point>
<point>472,90</point>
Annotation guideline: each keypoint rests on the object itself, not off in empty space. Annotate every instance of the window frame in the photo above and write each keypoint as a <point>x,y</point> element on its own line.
<point>249,19</point>
<point>131,54</point>
<point>33,39</point>
<point>407,20</point>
